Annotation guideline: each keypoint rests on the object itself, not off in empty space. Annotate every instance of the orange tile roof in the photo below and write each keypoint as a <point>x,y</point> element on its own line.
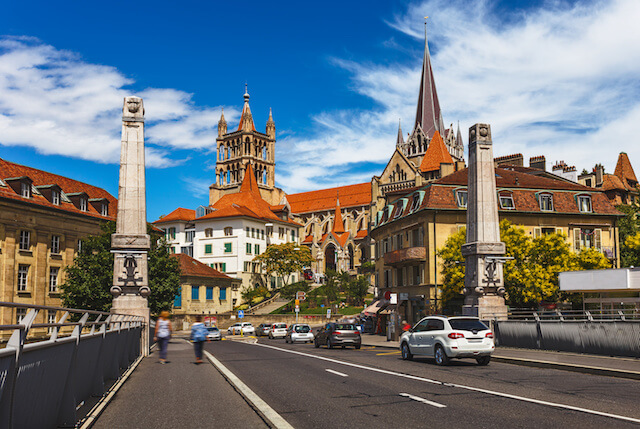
<point>338,225</point>
<point>341,238</point>
<point>68,186</point>
<point>325,199</point>
<point>361,234</point>
<point>308,239</point>
<point>192,267</point>
<point>178,214</point>
<point>247,202</point>
<point>612,182</point>
<point>624,171</point>
<point>435,155</point>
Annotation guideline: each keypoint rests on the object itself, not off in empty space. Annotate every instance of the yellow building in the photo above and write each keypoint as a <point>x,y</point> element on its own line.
<point>410,229</point>
<point>43,218</point>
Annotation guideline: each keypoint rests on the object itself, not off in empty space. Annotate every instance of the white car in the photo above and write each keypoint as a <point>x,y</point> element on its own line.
<point>445,338</point>
<point>244,328</point>
<point>278,330</point>
<point>299,333</point>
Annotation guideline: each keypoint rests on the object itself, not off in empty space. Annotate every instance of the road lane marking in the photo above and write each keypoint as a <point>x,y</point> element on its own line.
<point>397,352</point>
<point>460,386</point>
<point>336,373</point>
<point>426,401</point>
<point>269,413</point>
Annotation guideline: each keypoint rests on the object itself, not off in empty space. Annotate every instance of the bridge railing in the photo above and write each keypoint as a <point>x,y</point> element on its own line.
<point>49,370</point>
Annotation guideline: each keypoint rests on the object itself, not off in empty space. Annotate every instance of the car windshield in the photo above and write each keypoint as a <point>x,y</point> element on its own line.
<point>467,324</point>
<point>212,329</point>
<point>280,326</point>
<point>303,329</point>
<point>345,327</point>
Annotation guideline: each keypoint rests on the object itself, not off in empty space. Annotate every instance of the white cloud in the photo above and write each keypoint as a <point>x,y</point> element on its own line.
<point>559,81</point>
<point>55,102</point>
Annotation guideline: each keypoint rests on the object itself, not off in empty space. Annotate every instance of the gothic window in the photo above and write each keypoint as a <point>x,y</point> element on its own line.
<point>264,176</point>
<point>228,176</point>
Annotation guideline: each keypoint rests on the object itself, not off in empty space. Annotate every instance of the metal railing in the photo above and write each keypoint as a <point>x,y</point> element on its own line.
<point>562,315</point>
<point>49,370</point>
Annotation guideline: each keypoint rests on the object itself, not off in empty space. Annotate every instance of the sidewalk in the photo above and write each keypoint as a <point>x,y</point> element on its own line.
<point>592,364</point>
<point>177,394</point>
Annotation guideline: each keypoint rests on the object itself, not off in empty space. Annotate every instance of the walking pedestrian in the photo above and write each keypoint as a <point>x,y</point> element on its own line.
<point>163,334</point>
<point>198,337</point>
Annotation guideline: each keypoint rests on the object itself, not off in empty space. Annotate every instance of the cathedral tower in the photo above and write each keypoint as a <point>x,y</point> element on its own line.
<point>241,146</point>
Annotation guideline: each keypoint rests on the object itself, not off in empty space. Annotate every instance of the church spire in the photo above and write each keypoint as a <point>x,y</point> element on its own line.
<point>222,125</point>
<point>271,126</point>
<point>338,225</point>
<point>400,139</point>
<point>428,114</point>
<point>246,120</point>
<point>459,142</point>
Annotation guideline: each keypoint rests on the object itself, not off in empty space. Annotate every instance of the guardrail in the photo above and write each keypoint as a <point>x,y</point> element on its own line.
<point>49,370</point>
<point>589,315</point>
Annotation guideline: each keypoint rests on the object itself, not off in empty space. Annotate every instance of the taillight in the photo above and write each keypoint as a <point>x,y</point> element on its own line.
<point>489,335</point>
<point>455,335</point>
<point>357,332</point>
<point>337,333</point>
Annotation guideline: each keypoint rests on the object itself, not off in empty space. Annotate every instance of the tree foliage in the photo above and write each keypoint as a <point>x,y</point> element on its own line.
<point>90,277</point>
<point>289,291</point>
<point>282,260</point>
<point>356,289</point>
<point>532,276</point>
<point>629,230</point>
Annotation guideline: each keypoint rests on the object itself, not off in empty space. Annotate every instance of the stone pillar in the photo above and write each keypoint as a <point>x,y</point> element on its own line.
<point>483,251</point>
<point>131,243</point>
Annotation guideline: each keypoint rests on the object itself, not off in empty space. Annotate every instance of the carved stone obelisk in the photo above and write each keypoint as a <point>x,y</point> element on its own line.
<point>483,251</point>
<point>131,243</point>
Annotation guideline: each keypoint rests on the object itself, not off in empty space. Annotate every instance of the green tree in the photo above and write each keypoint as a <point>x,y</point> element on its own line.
<point>357,289</point>
<point>532,276</point>
<point>289,291</point>
<point>331,287</point>
<point>282,260</point>
<point>90,277</point>
<point>629,226</point>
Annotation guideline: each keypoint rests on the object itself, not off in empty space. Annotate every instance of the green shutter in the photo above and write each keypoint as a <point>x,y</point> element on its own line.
<point>207,249</point>
<point>257,249</point>
<point>248,248</point>
<point>227,248</point>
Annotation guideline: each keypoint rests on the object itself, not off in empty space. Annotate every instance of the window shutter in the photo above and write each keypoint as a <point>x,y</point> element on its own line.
<point>537,232</point>
<point>559,231</point>
<point>576,239</point>
<point>598,239</point>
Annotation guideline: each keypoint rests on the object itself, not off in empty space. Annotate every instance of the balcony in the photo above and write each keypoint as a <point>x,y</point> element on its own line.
<point>406,256</point>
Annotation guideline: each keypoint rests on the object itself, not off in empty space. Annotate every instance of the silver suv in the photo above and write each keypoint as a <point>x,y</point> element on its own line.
<point>445,338</point>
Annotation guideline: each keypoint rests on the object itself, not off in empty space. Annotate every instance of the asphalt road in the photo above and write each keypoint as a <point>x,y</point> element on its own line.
<point>374,387</point>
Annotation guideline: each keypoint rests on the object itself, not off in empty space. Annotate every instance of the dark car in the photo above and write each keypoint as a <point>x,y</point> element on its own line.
<point>338,334</point>
<point>263,329</point>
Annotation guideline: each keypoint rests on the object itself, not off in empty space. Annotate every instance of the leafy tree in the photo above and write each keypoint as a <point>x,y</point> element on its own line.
<point>284,259</point>
<point>90,277</point>
<point>331,288</point>
<point>532,276</point>
<point>357,289</point>
<point>629,226</point>
<point>289,291</point>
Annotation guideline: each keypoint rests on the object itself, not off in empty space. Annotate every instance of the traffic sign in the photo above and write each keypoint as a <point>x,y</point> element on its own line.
<point>297,308</point>
<point>240,314</point>
<point>328,313</point>
<point>297,302</point>
<point>301,296</point>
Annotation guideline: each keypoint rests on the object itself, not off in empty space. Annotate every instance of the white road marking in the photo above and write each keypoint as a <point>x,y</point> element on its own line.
<point>459,386</point>
<point>426,401</point>
<point>336,373</point>
<point>269,413</point>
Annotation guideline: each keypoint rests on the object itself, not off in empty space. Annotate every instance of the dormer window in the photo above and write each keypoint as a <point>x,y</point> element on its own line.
<point>80,200</point>
<point>584,203</point>
<point>506,201</point>
<point>25,189</point>
<point>546,202</point>
<point>55,197</point>
<point>461,199</point>
<point>104,210</point>
<point>83,204</point>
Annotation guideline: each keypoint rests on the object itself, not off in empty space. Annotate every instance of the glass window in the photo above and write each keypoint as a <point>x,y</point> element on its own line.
<point>228,247</point>
<point>421,326</point>
<point>256,249</point>
<point>23,277</point>
<point>461,198</point>
<point>25,190</point>
<point>584,203</point>
<point>223,293</point>
<point>104,210</point>
<point>83,204</point>
<point>51,318</point>
<point>190,235</point>
<point>415,202</point>
<point>293,235</point>
<point>20,314</point>
<point>208,232</point>
<point>55,197</point>
<point>253,233</point>
<point>24,240</point>
<point>55,244</point>
<point>228,231</point>
<point>468,325</point>
<point>248,231</point>
<point>248,248</point>
<point>506,202</point>
<point>172,233</point>
<point>209,293</point>
<point>546,202</point>
<point>435,325</point>
<point>79,246</point>
<point>208,249</point>
<point>195,293</point>
<point>53,279</point>
<point>262,233</point>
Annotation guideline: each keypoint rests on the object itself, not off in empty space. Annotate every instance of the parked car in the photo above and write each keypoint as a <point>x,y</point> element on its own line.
<point>213,334</point>
<point>445,338</point>
<point>278,330</point>
<point>244,328</point>
<point>263,329</point>
<point>299,333</point>
<point>231,330</point>
<point>338,334</point>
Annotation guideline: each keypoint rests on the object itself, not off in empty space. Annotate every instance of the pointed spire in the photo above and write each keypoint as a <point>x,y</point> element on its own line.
<point>249,183</point>
<point>246,119</point>
<point>459,142</point>
<point>400,140</point>
<point>222,125</point>
<point>436,154</point>
<point>428,114</point>
<point>270,120</point>
<point>338,225</point>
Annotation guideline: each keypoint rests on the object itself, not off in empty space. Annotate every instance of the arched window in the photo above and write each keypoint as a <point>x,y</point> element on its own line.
<point>228,176</point>
<point>264,177</point>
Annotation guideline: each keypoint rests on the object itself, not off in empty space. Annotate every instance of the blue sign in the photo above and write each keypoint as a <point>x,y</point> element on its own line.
<point>240,314</point>
<point>321,305</point>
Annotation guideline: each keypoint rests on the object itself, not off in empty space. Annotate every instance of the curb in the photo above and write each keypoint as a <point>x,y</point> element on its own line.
<point>594,370</point>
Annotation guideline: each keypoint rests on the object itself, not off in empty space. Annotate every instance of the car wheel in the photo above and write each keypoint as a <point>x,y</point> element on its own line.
<point>270,337</point>
<point>358,347</point>
<point>441,357</point>
<point>483,360</point>
<point>406,352</point>
<point>329,344</point>
<point>316,344</point>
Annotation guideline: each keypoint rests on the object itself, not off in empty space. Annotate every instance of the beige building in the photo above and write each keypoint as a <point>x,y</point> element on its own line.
<point>203,290</point>
<point>43,218</point>
<point>412,227</point>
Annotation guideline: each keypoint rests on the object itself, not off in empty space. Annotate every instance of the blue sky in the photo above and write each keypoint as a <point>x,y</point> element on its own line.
<point>553,78</point>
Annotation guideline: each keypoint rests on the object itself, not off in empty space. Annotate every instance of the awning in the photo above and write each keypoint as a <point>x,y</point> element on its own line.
<point>388,309</point>
<point>373,308</point>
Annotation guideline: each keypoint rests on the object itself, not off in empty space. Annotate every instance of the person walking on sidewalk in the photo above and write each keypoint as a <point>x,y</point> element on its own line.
<point>198,337</point>
<point>163,334</point>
